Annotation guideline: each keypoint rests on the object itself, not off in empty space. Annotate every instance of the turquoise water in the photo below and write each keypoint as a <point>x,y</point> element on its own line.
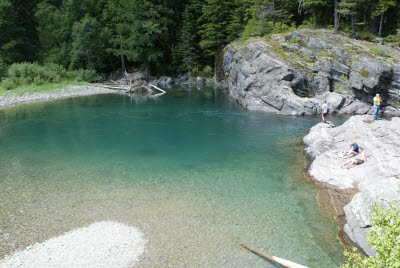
<point>192,169</point>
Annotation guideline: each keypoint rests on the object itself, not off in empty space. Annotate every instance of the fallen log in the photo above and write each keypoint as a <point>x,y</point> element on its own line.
<point>159,89</point>
<point>280,261</point>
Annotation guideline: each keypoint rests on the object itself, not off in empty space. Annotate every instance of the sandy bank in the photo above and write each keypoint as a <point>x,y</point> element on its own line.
<point>72,91</point>
<point>102,244</point>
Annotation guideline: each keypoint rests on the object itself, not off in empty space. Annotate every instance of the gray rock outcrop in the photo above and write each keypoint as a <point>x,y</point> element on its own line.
<point>378,180</point>
<point>379,139</point>
<point>294,73</point>
<point>358,223</point>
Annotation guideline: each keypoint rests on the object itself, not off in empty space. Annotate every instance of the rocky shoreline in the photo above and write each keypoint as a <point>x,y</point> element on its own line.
<point>13,99</point>
<point>376,181</point>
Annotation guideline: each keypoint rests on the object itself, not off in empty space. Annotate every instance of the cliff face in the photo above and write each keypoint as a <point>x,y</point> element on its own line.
<point>294,73</point>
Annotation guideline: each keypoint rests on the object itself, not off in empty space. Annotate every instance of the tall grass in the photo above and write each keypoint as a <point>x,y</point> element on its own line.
<point>24,74</point>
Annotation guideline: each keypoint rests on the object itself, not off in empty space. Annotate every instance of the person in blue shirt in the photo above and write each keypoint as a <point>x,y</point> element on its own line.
<point>352,151</point>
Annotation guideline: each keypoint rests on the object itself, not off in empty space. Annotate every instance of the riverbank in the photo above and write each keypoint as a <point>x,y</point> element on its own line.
<point>374,181</point>
<point>11,98</point>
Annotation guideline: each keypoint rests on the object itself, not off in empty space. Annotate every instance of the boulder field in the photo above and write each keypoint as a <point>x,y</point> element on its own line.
<point>294,73</point>
<point>378,180</point>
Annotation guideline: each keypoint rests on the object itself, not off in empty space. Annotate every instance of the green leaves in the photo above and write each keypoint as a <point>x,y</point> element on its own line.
<point>384,237</point>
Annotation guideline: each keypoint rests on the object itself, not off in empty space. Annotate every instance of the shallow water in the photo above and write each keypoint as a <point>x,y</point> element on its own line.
<point>192,169</point>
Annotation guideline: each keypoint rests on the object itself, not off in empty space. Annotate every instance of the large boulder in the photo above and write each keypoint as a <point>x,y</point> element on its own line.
<point>358,210</point>
<point>379,140</point>
<point>378,180</point>
<point>260,80</point>
<point>313,64</point>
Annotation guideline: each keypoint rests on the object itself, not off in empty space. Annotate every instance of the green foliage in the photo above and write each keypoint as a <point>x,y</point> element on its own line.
<point>343,78</point>
<point>162,36</point>
<point>88,46</point>
<point>380,52</point>
<point>384,237</point>
<point>208,71</point>
<point>294,40</point>
<point>19,74</point>
<point>185,55</point>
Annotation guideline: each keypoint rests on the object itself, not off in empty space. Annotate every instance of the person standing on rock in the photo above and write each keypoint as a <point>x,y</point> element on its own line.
<point>324,112</point>
<point>377,106</point>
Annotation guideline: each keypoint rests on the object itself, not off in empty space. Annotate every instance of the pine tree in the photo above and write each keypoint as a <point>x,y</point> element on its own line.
<point>141,30</point>
<point>214,22</point>
<point>88,44</point>
<point>382,7</point>
<point>348,8</point>
<point>186,53</point>
<point>313,6</point>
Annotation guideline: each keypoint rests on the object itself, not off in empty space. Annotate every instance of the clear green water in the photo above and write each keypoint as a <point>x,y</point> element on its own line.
<point>191,169</point>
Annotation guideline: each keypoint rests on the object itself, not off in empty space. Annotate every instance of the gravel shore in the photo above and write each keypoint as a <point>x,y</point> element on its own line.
<point>102,244</point>
<point>72,91</point>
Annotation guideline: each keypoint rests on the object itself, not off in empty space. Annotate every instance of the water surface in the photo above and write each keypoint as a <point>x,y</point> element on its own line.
<point>191,168</point>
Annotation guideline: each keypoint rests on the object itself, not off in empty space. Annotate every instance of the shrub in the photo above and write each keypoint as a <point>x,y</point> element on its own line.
<point>343,78</point>
<point>84,75</point>
<point>3,70</point>
<point>208,71</point>
<point>380,52</point>
<point>294,40</point>
<point>384,237</point>
<point>8,84</point>
<point>35,74</point>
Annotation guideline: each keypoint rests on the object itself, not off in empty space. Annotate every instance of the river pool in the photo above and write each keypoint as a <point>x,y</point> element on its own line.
<point>191,169</point>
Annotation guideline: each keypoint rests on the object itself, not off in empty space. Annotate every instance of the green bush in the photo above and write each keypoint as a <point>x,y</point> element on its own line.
<point>208,71</point>
<point>294,40</point>
<point>3,70</point>
<point>380,52</point>
<point>8,84</point>
<point>384,237</point>
<point>26,73</point>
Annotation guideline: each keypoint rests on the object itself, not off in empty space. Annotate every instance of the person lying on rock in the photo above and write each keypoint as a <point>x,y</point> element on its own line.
<point>357,161</point>
<point>353,150</point>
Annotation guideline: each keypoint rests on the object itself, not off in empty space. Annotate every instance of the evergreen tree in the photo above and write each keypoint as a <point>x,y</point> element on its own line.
<point>348,8</point>
<point>11,34</point>
<point>214,22</point>
<point>88,46</point>
<point>312,6</point>
<point>141,30</point>
<point>186,52</point>
<point>382,7</point>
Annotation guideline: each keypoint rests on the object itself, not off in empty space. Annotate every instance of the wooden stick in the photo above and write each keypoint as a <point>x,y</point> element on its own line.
<point>282,262</point>
<point>114,82</point>
<point>158,88</point>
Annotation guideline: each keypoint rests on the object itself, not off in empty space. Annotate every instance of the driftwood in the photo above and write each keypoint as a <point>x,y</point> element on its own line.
<point>280,261</point>
<point>134,83</point>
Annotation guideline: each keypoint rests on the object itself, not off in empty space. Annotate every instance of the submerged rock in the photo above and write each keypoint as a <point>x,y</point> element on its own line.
<point>294,73</point>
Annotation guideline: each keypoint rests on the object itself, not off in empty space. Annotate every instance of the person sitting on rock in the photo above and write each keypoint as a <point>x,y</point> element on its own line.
<point>355,162</point>
<point>353,150</point>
